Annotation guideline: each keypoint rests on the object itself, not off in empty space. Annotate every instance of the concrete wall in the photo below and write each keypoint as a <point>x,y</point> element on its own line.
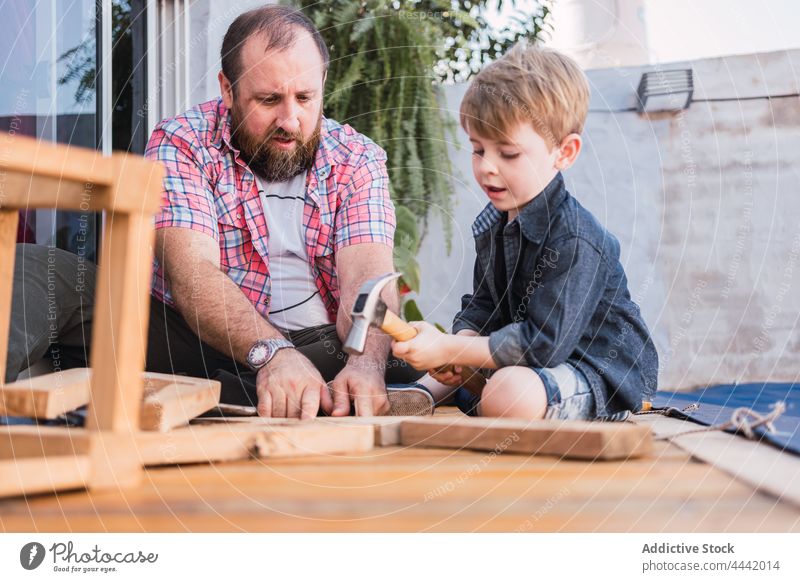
<point>209,21</point>
<point>706,205</point>
<point>600,33</point>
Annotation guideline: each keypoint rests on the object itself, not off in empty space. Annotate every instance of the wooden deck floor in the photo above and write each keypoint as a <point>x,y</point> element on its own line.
<point>415,489</point>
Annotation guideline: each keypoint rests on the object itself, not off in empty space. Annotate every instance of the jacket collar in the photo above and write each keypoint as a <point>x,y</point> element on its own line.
<point>534,218</point>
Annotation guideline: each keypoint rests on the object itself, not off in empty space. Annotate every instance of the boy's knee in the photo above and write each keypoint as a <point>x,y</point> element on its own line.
<point>514,392</point>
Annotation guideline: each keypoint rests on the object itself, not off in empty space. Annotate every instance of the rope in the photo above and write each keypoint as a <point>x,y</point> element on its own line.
<point>743,420</point>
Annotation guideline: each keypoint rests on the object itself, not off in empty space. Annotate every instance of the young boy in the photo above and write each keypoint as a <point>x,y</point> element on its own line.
<point>550,319</point>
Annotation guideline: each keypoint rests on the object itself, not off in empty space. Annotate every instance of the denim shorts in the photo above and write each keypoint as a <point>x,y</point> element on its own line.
<point>569,396</point>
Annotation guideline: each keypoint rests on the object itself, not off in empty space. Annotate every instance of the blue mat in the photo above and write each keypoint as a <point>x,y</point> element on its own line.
<point>717,404</point>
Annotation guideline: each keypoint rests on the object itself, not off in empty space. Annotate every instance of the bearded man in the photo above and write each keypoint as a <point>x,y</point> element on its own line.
<point>272,218</point>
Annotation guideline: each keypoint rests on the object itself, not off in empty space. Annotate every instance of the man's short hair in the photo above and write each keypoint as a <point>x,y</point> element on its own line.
<point>279,26</point>
<point>527,85</point>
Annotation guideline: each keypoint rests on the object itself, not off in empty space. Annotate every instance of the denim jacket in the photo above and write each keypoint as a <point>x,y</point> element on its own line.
<point>559,294</point>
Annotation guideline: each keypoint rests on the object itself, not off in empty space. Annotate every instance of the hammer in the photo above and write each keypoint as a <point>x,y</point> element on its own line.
<point>369,309</point>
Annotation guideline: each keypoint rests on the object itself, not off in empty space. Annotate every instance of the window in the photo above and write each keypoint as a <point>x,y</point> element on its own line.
<point>53,89</point>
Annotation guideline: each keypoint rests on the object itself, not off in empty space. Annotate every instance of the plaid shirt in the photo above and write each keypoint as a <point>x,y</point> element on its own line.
<point>209,189</point>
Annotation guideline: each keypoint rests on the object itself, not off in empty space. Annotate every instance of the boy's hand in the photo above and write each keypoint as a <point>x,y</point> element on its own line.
<point>429,349</point>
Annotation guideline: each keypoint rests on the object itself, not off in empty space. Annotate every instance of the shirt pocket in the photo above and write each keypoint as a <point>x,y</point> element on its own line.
<point>235,243</point>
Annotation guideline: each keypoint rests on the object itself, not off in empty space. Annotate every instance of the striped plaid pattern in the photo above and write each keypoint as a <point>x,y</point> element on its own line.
<point>208,189</point>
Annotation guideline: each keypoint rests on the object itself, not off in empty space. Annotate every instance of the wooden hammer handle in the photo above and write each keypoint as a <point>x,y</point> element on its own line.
<point>397,328</point>
<point>401,331</point>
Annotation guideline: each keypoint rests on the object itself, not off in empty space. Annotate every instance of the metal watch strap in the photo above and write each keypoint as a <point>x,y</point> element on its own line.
<point>272,347</point>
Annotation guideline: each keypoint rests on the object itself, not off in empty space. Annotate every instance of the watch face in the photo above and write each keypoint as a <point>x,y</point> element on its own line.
<point>259,354</point>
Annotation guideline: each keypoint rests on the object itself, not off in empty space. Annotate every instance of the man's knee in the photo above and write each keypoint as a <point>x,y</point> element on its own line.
<point>514,392</point>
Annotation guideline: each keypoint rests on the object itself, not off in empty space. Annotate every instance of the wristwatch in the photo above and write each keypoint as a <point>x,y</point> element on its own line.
<point>264,350</point>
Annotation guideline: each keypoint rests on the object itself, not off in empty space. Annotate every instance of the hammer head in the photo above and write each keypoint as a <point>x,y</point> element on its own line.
<point>368,309</point>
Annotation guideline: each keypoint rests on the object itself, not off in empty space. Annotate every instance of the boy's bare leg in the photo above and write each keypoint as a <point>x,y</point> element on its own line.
<point>514,392</point>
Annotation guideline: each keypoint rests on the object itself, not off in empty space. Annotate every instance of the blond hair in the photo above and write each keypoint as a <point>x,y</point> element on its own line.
<point>527,84</point>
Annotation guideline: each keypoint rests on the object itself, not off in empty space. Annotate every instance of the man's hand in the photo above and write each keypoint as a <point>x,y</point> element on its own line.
<point>447,375</point>
<point>365,385</point>
<point>429,349</point>
<point>289,386</point>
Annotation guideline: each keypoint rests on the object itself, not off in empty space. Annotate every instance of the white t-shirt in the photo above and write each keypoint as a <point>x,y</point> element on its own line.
<point>295,302</point>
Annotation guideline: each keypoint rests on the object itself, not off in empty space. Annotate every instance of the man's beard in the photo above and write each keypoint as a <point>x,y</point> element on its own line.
<point>268,161</point>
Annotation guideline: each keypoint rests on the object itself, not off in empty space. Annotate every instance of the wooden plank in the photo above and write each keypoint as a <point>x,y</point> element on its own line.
<point>757,464</point>
<point>314,439</point>
<point>47,396</point>
<point>47,459</point>
<point>43,475</point>
<point>169,401</point>
<point>40,174</point>
<point>138,185</point>
<point>22,441</point>
<point>114,459</point>
<point>386,428</point>
<point>566,439</point>
<point>194,444</point>
<point>65,162</point>
<point>8,237</point>
<point>29,191</point>
<point>228,442</point>
<point>172,401</point>
<point>119,333</point>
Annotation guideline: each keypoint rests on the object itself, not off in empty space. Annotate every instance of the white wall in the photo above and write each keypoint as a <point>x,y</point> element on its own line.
<point>600,33</point>
<point>614,33</point>
<point>696,29</point>
<point>210,20</point>
<point>705,204</point>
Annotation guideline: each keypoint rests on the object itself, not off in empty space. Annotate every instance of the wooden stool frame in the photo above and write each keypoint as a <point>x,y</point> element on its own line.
<point>39,174</point>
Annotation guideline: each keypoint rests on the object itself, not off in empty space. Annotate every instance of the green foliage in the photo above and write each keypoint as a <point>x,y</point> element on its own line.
<point>382,82</point>
<point>406,246</point>
<point>389,59</point>
<point>471,47</point>
<point>411,311</point>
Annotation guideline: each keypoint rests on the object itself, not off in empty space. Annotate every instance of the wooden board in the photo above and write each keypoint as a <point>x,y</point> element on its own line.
<point>757,464</point>
<point>25,441</point>
<point>8,237</point>
<point>566,439</point>
<point>43,475</point>
<point>197,443</point>
<point>37,459</point>
<point>120,321</point>
<point>228,442</point>
<point>41,174</point>
<point>386,428</point>
<point>47,396</point>
<point>171,401</point>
